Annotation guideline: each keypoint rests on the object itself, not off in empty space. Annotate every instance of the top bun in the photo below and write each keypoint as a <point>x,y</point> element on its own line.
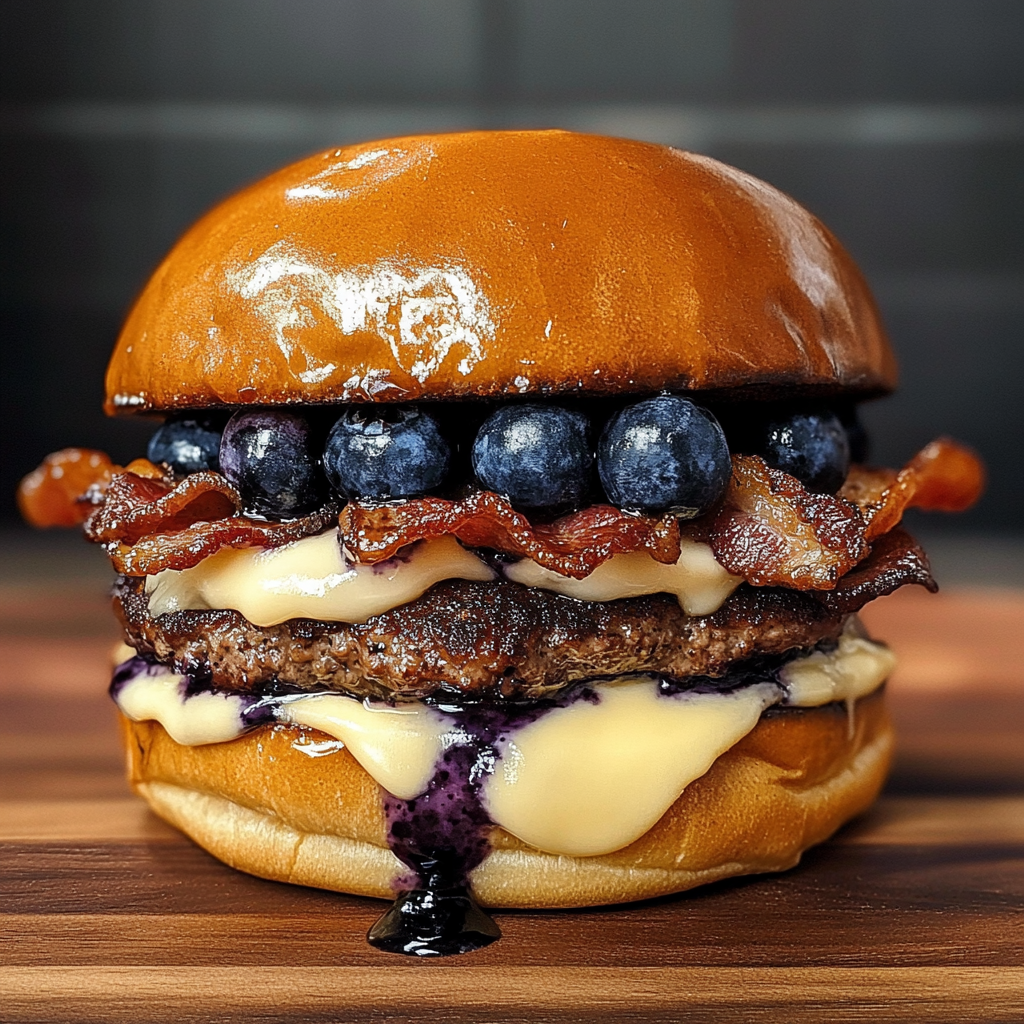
<point>499,263</point>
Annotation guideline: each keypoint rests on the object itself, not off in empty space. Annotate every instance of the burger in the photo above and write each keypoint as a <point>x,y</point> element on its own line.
<point>502,541</point>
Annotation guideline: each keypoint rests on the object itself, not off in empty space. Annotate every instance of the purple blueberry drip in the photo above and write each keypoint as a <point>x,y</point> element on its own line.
<point>130,670</point>
<point>442,835</point>
<point>258,712</point>
<point>253,711</point>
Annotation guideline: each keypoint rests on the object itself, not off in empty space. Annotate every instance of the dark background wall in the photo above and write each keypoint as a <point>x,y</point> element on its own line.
<point>899,122</point>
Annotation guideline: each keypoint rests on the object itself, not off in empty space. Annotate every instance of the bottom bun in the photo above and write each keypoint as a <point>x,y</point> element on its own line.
<point>264,804</point>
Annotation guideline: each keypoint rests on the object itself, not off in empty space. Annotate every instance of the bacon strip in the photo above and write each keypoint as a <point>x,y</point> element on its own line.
<point>152,523</point>
<point>771,531</point>
<point>188,547</point>
<point>135,507</point>
<point>896,560</point>
<point>944,476</point>
<point>573,546</point>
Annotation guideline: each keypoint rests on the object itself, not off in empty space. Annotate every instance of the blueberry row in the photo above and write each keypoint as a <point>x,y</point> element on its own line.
<point>658,454</point>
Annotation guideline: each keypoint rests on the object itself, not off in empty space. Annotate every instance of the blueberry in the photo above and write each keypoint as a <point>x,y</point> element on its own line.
<point>810,445</point>
<point>538,456</point>
<point>664,454</point>
<point>187,444</point>
<point>270,457</point>
<point>382,453</point>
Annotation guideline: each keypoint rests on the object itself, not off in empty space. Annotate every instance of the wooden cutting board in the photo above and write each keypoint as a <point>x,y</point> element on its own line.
<point>915,912</point>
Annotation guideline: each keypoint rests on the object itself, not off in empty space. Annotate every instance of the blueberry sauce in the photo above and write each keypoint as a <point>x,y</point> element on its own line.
<point>442,835</point>
<point>253,710</point>
<point>765,668</point>
<point>130,670</point>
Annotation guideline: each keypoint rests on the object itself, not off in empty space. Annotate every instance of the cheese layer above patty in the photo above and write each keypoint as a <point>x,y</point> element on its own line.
<point>311,579</point>
<point>583,779</point>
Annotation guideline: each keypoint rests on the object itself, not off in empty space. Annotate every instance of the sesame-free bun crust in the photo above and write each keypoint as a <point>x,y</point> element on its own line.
<point>498,263</point>
<point>262,806</point>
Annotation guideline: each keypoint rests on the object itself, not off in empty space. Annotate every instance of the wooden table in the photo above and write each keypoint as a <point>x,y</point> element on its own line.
<point>913,913</point>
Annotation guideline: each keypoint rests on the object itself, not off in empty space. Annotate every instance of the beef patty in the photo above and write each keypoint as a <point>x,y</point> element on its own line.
<point>508,640</point>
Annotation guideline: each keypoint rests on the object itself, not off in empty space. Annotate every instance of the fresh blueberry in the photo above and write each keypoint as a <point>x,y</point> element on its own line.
<point>187,444</point>
<point>270,457</point>
<point>538,456</point>
<point>380,453</point>
<point>812,446</point>
<point>664,454</point>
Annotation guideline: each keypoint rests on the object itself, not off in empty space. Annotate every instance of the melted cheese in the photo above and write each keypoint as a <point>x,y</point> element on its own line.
<point>584,779</point>
<point>193,721</point>
<point>591,778</point>
<point>698,582</point>
<point>311,579</point>
<point>853,670</point>
<point>398,746</point>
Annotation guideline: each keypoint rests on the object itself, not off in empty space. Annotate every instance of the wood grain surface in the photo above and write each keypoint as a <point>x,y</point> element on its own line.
<point>913,913</point>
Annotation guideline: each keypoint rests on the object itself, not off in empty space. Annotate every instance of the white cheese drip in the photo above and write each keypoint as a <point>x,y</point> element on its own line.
<point>856,668</point>
<point>193,721</point>
<point>398,745</point>
<point>591,778</point>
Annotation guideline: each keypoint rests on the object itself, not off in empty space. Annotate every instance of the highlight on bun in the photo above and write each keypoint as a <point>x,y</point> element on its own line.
<point>264,807</point>
<point>490,264</point>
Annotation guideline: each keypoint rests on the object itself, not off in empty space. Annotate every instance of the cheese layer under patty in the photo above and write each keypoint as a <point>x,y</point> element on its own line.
<point>311,579</point>
<point>586,778</point>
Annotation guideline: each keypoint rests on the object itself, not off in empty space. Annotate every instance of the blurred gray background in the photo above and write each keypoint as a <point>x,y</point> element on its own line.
<point>899,122</point>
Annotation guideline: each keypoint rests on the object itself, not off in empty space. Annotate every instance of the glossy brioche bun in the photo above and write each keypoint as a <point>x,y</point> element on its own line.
<point>498,263</point>
<point>264,807</point>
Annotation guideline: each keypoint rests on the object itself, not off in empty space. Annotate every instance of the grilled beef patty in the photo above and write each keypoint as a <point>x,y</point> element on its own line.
<point>508,640</point>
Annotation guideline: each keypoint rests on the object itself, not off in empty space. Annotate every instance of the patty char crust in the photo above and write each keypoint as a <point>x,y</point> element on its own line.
<point>500,637</point>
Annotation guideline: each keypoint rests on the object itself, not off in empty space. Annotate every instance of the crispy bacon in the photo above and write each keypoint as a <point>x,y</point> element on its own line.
<point>944,476</point>
<point>773,532</point>
<point>153,523</point>
<point>574,545</point>
<point>896,560</point>
<point>768,528</point>
<point>135,506</point>
<point>189,546</point>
